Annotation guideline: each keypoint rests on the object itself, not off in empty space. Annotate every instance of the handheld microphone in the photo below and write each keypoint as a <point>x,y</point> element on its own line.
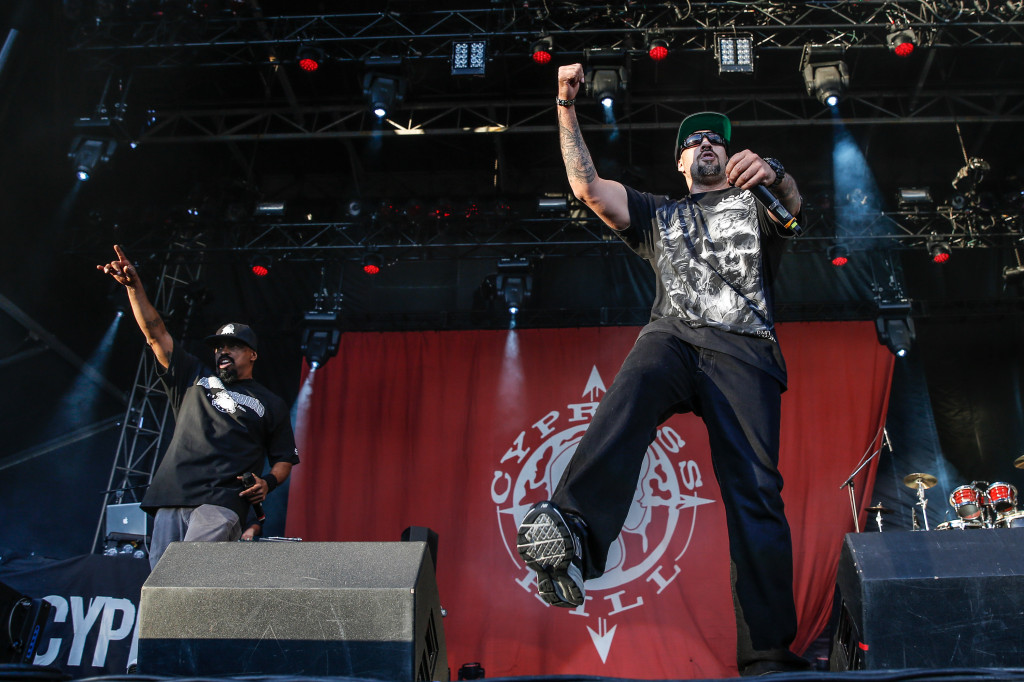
<point>775,207</point>
<point>249,480</point>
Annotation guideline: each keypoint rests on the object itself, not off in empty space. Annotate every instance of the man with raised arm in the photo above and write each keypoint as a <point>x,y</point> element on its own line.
<point>710,349</point>
<point>226,425</point>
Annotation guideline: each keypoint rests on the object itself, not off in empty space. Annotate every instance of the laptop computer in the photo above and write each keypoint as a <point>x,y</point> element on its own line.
<point>126,521</point>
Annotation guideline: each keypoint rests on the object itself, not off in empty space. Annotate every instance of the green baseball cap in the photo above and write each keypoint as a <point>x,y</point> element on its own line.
<point>704,120</point>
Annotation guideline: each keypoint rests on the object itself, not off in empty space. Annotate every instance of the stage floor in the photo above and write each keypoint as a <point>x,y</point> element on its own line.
<point>26,673</point>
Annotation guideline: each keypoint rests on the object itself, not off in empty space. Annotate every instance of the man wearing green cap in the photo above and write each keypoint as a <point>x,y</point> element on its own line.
<point>710,348</point>
<point>226,425</point>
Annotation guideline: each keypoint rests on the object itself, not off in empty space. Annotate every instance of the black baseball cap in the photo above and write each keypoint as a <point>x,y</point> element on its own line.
<point>235,331</point>
<point>704,120</point>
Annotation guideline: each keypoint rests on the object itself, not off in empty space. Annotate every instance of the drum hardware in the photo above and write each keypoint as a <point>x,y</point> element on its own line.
<point>1013,519</point>
<point>960,524</point>
<point>878,509</point>
<point>922,482</point>
<point>1019,462</point>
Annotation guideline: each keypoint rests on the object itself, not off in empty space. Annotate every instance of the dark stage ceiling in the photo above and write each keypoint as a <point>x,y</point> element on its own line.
<point>221,118</point>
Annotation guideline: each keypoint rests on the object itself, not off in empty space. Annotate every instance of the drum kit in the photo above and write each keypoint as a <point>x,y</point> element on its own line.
<point>979,504</point>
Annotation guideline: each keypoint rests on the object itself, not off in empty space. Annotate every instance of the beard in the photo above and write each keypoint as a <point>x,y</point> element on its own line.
<point>710,169</point>
<point>228,374</point>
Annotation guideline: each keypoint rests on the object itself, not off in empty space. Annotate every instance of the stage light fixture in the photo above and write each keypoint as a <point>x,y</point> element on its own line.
<point>605,84</point>
<point>895,327</point>
<point>542,50</point>
<point>825,73</point>
<point>469,57</point>
<point>320,337</point>
<point>735,53</point>
<point>913,196</point>
<point>260,264</point>
<point>270,208</point>
<point>514,283</point>
<point>557,203</point>
<point>372,262</point>
<point>87,153</point>
<point>939,250</point>
<point>383,92</point>
<point>901,40</point>
<point>839,255</point>
<point>310,58</point>
<point>657,49</point>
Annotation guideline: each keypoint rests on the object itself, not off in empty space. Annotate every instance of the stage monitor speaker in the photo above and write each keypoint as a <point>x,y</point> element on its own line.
<point>347,609</point>
<point>22,622</point>
<point>930,599</point>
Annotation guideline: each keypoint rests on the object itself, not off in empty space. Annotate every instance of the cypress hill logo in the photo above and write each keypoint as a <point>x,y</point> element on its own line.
<point>645,558</point>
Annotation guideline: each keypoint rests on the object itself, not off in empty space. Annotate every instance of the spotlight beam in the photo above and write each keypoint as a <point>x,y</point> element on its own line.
<point>54,344</point>
<point>80,434</point>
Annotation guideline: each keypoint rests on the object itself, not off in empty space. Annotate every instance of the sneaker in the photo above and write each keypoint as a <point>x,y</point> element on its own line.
<point>552,548</point>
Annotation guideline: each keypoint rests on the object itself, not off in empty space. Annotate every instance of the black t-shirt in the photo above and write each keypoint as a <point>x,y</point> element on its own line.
<point>221,431</point>
<point>715,255</point>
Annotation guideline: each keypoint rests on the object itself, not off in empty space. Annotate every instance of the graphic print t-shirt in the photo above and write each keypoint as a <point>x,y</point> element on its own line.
<point>221,431</point>
<point>715,255</point>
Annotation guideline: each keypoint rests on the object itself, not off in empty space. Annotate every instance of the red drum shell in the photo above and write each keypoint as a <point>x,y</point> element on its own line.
<point>1002,496</point>
<point>967,502</point>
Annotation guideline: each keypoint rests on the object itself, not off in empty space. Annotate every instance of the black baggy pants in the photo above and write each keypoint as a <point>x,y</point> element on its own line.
<point>740,406</point>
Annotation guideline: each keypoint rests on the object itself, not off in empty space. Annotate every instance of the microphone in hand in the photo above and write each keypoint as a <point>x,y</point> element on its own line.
<point>249,480</point>
<point>775,207</point>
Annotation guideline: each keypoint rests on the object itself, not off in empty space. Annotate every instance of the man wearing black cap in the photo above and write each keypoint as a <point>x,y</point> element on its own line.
<point>710,348</point>
<point>226,425</point>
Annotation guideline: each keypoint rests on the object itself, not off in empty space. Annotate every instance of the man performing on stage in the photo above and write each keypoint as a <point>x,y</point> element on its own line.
<point>710,349</point>
<point>226,425</point>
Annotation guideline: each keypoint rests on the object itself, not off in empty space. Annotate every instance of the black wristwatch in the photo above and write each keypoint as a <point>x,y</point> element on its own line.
<point>780,171</point>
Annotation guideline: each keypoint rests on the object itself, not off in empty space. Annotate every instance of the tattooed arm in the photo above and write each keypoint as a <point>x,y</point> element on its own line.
<point>606,198</point>
<point>148,319</point>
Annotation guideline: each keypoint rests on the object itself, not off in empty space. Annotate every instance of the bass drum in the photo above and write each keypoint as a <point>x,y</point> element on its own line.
<point>960,524</point>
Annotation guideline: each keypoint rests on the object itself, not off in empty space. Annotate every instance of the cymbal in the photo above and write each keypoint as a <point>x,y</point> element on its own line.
<point>880,509</point>
<point>1019,462</point>
<point>927,480</point>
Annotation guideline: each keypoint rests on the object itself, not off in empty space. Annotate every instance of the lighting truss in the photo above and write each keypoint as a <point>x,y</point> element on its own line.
<point>575,232</point>
<point>525,115</point>
<point>426,34</point>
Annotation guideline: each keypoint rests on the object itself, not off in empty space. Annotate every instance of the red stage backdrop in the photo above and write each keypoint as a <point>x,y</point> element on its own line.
<point>463,431</point>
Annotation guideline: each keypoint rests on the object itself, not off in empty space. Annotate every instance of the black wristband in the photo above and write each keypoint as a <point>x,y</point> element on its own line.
<point>780,171</point>
<point>565,102</point>
<point>271,482</point>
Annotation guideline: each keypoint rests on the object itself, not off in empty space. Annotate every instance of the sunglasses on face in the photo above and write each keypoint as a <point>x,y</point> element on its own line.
<point>694,139</point>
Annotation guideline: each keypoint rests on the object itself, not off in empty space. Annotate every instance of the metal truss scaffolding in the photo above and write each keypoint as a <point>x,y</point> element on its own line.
<point>190,39</point>
<point>141,442</point>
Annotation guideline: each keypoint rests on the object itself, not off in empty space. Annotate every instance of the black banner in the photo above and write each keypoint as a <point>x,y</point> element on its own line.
<point>93,626</point>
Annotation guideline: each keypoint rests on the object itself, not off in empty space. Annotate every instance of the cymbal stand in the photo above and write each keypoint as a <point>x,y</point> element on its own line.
<point>923,502</point>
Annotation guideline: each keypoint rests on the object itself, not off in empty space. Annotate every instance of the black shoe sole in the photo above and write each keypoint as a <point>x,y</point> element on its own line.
<point>547,546</point>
